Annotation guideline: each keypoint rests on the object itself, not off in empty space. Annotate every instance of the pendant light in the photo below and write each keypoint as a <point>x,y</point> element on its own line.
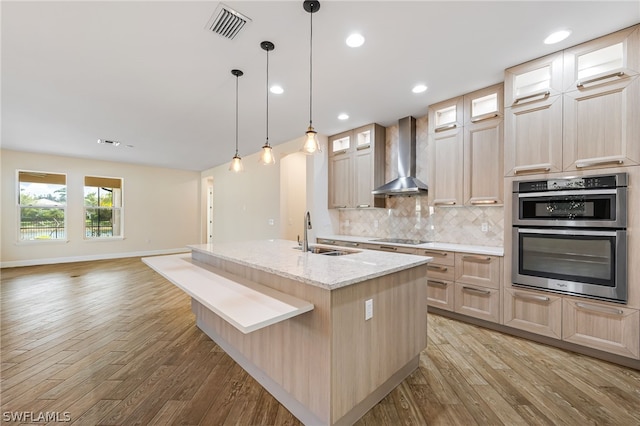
<point>267,157</point>
<point>236,161</point>
<point>311,144</point>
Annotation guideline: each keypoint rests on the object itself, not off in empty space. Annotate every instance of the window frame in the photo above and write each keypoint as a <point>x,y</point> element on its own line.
<point>112,209</point>
<point>20,207</point>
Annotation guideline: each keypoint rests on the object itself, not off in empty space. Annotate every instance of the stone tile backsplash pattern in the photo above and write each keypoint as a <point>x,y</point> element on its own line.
<point>408,217</point>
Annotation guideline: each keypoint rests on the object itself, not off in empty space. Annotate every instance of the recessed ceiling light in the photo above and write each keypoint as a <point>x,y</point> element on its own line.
<point>108,142</point>
<point>419,88</point>
<point>343,116</point>
<point>275,89</point>
<point>355,40</point>
<point>557,37</point>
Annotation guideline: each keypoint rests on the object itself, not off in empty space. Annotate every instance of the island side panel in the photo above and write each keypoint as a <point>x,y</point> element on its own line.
<point>294,353</point>
<point>366,353</point>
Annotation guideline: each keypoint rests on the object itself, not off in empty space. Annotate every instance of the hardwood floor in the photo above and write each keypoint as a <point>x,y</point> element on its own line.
<point>113,343</point>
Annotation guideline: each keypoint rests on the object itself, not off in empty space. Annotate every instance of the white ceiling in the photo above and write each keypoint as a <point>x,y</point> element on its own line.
<point>148,74</point>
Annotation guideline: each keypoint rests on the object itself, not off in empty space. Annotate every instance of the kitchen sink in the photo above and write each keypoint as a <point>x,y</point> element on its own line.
<point>329,251</point>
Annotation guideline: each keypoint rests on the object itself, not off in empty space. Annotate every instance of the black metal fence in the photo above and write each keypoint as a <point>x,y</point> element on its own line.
<point>49,230</point>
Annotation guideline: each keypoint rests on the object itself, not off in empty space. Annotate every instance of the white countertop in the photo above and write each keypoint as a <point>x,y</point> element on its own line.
<point>331,272</point>
<point>464,248</point>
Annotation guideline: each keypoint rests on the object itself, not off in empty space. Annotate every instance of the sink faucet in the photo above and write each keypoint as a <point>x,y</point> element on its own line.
<point>305,238</point>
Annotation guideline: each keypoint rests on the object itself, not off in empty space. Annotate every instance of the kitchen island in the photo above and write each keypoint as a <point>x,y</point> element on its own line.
<point>325,361</point>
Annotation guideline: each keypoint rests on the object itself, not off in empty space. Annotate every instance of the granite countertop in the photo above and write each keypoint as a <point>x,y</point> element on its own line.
<point>279,257</point>
<point>464,248</point>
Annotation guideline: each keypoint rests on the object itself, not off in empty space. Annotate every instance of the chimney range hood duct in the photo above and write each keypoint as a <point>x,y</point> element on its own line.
<point>406,183</point>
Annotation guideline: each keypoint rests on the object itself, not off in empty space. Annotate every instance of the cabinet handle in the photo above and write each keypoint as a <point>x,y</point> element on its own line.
<point>598,161</point>
<point>602,77</point>
<point>485,117</point>
<point>533,168</point>
<point>362,206</point>
<point>530,297</point>
<point>475,290</point>
<point>444,203</point>
<point>323,241</point>
<point>475,202</point>
<point>351,244</point>
<point>388,248</point>
<point>476,258</point>
<point>437,283</point>
<point>342,151</point>
<point>601,309</point>
<point>545,94</point>
<point>437,253</point>
<point>339,207</point>
<point>437,268</point>
<point>447,127</point>
<point>359,147</point>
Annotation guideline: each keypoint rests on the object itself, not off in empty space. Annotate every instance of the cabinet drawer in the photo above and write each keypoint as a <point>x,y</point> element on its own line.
<point>436,271</point>
<point>440,257</point>
<point>476,301</point>
<point>606,327</point>
<point>393,249</point>
<point>536,312</point>
<point>440,294</point>
<point>478,269</point>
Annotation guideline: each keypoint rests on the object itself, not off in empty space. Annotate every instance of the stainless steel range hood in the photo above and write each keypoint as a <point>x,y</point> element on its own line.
<point>406,183</point>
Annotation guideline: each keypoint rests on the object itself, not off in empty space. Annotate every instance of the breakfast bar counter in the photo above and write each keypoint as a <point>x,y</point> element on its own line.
<point>347,329</point>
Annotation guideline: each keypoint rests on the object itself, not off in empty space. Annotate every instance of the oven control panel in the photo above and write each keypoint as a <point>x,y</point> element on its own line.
<point>586,182</point>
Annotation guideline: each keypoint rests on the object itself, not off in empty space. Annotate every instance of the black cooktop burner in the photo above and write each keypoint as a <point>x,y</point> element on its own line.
<point>399,241</point>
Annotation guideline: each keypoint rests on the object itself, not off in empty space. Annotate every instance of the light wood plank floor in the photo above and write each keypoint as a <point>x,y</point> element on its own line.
<point>113,343</point>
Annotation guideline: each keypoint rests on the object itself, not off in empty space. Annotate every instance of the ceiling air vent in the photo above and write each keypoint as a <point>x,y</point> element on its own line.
<point>226,22</point>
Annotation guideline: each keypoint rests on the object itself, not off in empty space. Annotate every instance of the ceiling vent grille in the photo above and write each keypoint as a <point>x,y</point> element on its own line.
<point>226,22</point>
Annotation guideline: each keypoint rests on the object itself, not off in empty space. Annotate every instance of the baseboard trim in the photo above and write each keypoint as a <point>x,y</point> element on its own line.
<point>103,256</point>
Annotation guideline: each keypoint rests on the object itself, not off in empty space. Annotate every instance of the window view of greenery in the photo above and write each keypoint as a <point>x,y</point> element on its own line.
<point>102,207</point>
<point>42,203</point>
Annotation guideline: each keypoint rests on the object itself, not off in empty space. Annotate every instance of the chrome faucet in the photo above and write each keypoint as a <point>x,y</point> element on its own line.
<point>305,238</point>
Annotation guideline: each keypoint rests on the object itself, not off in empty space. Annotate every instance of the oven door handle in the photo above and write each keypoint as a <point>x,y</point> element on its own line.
<point>575,193</point>
<point>553,231</point>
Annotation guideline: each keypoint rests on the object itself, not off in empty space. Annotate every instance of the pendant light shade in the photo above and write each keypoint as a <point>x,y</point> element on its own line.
<point>311,144</point>
<point>267,156</point>
<point>236,161</point>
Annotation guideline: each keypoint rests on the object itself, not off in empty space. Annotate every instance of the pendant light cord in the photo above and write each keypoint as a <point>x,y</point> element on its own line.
<point>267,97</point>
<point>311,69</point>
<point>237,115</point>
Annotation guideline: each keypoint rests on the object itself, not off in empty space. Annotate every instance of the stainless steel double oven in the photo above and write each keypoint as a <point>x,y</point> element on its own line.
<point>570,236</point>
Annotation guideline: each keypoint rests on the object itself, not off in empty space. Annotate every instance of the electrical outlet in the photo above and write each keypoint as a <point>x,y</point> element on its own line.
<point>485,227</point>
<point>271,222</point>
<point>375,223</point>
<point>368,309</point>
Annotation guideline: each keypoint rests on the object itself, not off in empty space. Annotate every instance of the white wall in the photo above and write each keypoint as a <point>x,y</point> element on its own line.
<point>243,203</point>
<point>161,210</point>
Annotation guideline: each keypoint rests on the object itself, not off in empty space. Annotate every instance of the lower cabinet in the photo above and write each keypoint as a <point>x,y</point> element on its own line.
<point>440,294</point>
<point>536,312</point>
<point>602,326</point>
<point>476,301</point>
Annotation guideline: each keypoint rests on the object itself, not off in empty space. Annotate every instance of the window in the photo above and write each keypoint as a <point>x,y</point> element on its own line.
<point>42,201</point>
<point>102,207</point>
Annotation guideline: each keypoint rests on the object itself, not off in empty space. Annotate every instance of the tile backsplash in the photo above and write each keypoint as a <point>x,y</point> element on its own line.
<point>413,218</point>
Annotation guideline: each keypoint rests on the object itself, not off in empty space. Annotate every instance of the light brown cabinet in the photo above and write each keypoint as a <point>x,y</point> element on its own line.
<point>533,311</point>
<point>466,149</point>
<point>476,301</point>
<point>440,276</point>
<point>575,109</point>
<point>356,167</point>
<point>602,102</point>
<point>613,329</point>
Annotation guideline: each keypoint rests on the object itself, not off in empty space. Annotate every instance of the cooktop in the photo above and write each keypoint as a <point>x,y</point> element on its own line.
<point>399,241</point>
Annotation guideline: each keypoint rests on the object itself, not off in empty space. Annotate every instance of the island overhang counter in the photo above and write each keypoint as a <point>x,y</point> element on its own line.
<point>328,365</point>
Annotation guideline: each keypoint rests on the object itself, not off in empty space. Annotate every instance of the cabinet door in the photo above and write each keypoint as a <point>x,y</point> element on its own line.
<point>446,115</point>
<point>446,164</point>
<point>606,327</point>
<point>602,125</point>
<point>440,257</point>
<point>340,180</point>
<point>440,294</point>
<point>533,137</point>
<point>478,302</point>
<point>440,272</point>
<point>533,81</point>
<point>363,177</point>
<point>479,270</point>
<point>536,312</point>
<point>483,163</point>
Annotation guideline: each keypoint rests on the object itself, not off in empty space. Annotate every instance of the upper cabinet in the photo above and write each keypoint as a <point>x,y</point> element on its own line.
<point>533,116</point>
<point>356,167</point>
<point>466,149</point>
<point>602,102</point>
<point>576,109</point>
